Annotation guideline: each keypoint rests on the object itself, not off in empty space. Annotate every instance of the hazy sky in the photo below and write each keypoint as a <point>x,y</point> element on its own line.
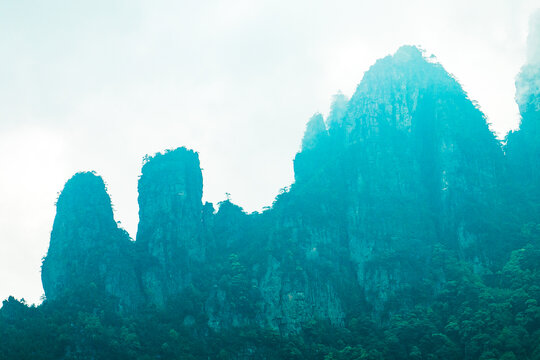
<point>96,85</point>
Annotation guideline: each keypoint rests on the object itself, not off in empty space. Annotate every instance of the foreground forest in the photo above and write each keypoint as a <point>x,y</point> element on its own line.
<point>410,232</point>
<point>467,320</point>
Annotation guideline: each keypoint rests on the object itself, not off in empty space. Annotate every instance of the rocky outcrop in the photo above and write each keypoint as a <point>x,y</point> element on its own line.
<point>415,165</point>
<point>170,222</point>
<point>315,132</point>
<point>338,110</point>
<point>88,251</point>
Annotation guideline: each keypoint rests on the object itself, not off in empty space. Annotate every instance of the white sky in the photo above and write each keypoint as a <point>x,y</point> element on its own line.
<point>96,85</point>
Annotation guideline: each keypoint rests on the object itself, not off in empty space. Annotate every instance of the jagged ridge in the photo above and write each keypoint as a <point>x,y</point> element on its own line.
<point>407,165</point>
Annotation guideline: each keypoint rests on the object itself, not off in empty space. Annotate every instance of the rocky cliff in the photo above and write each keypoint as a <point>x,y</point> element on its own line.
<point>405,168</point>
<point>88,252</point>
<point>170,222</point>
<point>410,164</point>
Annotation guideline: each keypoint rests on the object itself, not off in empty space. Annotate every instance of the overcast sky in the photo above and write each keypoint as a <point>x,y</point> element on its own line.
<point>96,85</point>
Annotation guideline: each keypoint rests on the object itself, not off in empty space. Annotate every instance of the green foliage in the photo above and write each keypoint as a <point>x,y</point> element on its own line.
<point>467,320</point>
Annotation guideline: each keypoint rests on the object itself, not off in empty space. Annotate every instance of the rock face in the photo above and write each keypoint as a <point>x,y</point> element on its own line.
<point>170,222</point>
<point>88,251</point>
<point>416,142</point>
<point>413,164</point>
<point>406,166</point>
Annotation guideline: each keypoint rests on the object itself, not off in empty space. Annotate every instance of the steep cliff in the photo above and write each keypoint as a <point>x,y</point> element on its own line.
<point>410,164</point>
<point>404,168</point>
<point>88,252</point>
<point>170,222</point>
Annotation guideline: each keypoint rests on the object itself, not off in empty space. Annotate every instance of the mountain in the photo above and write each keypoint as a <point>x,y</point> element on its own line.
<point>170,222</point>
<point>395,241</point>
<point>415,165</point>
<point>88,251</point>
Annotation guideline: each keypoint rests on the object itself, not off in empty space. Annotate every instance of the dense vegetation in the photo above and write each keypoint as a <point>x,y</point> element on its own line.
<point>492,317</point>
<point>408,234</point>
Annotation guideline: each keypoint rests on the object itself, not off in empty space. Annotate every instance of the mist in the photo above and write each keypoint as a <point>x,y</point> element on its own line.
<point>528,81</point>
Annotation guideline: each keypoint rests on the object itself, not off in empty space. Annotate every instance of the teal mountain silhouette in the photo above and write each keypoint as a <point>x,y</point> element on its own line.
<point>410,232</point>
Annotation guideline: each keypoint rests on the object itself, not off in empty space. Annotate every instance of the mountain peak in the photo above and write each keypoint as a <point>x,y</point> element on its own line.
<point>88,252</point>
<point>315,131</point>
<point>84,186</point>
<point>407,53</point>
<point>84,200</point>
